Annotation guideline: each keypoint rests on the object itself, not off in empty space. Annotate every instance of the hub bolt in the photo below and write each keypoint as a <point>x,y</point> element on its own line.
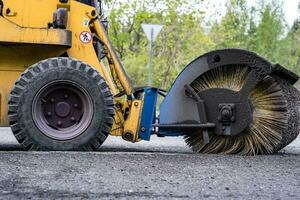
<point>226,113</point>
<point>59,123</point>
<point>52,100</point>
<point>66,96</point>
<point>128,136</point>
<point>75,105</point>
<point>49,114</point>
<point>73,119</point>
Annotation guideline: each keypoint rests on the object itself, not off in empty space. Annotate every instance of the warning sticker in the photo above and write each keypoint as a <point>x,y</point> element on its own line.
<point>85,37</point>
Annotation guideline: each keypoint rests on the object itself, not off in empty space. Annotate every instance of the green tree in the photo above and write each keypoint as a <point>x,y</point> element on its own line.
<point>270,31</point>
<point>290,48</point>
<point>260,28</point>
<point>181,40</point>
<point>231,31</point>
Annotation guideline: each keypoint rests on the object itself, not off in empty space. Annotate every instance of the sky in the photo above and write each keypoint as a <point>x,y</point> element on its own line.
<point>291,10</point>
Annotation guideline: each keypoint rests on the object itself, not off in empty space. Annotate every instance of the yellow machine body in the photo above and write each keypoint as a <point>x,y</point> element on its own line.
<point>28,39</point>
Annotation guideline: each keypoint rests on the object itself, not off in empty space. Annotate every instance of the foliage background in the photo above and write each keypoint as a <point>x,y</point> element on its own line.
<point>186,35</point>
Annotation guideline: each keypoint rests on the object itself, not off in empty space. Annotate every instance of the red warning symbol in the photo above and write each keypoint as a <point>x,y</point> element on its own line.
<point>85,37</point>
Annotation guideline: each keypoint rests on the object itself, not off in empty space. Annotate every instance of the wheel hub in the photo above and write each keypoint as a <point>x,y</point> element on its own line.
<point>62,110</point>
<point>62,107</point>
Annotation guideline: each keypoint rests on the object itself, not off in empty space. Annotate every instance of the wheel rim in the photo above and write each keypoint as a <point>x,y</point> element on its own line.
<point>62,110</point>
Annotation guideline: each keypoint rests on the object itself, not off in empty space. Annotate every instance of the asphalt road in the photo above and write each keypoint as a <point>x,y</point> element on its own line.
<point>161,169</point>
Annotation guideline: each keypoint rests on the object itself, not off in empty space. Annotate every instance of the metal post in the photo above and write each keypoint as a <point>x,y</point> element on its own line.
<point>150,58</point>
<point>151,31</point>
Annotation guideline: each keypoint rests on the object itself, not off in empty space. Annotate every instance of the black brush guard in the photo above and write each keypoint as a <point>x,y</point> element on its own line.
<point>184,110</point>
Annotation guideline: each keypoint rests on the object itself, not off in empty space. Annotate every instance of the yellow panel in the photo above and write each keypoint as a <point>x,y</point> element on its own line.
<point>19,57</point>
<point>14,33</point>
<point>30,13</point>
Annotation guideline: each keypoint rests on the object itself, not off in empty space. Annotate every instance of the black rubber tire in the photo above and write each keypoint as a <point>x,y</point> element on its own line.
<point>54,69</point>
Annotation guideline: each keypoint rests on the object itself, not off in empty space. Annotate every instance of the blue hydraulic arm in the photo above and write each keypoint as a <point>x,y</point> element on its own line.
<point>148,113</point>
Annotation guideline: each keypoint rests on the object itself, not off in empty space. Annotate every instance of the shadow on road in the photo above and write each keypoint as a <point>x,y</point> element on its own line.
<point>289,151</point>
<point>117,145</point>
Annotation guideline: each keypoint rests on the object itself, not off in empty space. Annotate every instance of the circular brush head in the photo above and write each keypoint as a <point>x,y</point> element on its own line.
<point>270,115</point>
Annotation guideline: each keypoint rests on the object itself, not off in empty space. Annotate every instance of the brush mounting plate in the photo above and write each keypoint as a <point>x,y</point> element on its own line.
<point>227,110</point>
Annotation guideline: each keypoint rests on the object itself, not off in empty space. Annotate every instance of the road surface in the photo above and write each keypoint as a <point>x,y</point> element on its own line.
<point>161,169</point>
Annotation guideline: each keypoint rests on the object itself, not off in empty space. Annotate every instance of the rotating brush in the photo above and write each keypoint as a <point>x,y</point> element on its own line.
<point>270,130</point>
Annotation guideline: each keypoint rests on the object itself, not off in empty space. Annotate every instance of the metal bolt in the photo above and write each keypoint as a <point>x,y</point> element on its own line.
<point>128,136</point>
<point>59,123</point>
<point>66,96</point>
<point>75,105</point>
<point>73,119</point>
<point>93,13</point>
<point>136,104</point>
<point>52,100</point>
<point>143,129</point>
<point>226,113</point>
<point>49,114</point>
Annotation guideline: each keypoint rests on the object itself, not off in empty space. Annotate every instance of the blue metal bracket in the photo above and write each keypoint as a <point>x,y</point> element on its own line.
<point>148,113</point>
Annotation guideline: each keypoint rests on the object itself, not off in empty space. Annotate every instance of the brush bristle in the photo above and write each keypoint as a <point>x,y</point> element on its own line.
<point>270,117</point>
